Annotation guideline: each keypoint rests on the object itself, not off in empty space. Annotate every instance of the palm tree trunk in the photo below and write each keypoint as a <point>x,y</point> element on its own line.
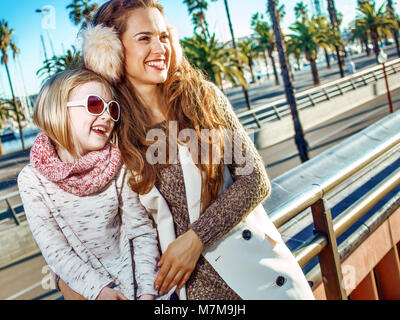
<point>246,94</point>
<point>15,107</point>
<point>395,32</point>
<point>253,78</point>
<point>328,63</point>
<point>266,63</point>
<point>314,71</point>
<point>375,42</point>
<point>277,82</point>
<point>334,22</point>
<point>300,141</point>
<point>367,49</point>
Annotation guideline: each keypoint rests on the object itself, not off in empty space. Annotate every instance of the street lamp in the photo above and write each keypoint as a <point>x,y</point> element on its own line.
<point>382,58</point>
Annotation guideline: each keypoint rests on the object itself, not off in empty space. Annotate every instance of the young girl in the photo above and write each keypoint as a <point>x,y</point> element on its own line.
<point>80,208</point>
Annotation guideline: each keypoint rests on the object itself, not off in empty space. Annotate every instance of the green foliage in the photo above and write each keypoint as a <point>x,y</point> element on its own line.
<point>197,9</point>
<point>7,110</point>
<point>81,12</point>
<point>215,59</point>
<point>6,42</point>
<point>71,60</point>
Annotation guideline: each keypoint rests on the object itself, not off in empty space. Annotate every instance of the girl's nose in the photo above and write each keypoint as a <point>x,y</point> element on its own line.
<point>106,116</point>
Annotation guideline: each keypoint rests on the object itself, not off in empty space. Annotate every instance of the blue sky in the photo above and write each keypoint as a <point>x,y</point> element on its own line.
<point>27,25</point>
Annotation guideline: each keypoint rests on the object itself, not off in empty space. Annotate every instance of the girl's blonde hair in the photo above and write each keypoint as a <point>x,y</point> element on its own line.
<point>51,112</point>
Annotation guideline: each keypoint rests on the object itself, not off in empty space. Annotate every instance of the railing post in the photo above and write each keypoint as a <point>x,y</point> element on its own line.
<point>363,79</point>
<point>329,257</point>
<point>352,84</point>
<point>311,100</point>
<point>257,121</point>
<point>340,89</point>
<point>277,112</point>
<point>326,94</point>
<point>13,213</point>
<point>373,73</point>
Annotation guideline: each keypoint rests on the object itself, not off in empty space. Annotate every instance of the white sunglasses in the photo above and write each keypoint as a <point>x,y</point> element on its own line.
<point>96,106</point>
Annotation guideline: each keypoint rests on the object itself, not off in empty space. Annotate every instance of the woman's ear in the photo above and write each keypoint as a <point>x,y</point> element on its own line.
<point>103,52</point>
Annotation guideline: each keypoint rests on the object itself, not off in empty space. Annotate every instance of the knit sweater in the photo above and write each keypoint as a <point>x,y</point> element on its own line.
<point>86,240</point>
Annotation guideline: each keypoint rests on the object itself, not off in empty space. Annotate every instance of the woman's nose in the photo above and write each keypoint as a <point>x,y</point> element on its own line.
<point>158,46</point>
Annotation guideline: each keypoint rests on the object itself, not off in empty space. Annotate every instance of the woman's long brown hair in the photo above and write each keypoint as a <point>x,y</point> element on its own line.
<point>189,99</point>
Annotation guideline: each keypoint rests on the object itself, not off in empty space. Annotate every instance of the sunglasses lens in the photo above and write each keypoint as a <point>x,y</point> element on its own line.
<point>95,105</point>
<point>114,110</point>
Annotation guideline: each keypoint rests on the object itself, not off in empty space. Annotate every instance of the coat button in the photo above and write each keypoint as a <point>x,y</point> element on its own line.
<point>280,281</point>
<point>246,234</point>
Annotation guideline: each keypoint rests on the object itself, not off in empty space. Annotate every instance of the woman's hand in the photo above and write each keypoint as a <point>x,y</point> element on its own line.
<point>68,293</point>
<point>178,262</point>
<point>110,294</point>
<point>146,297</point>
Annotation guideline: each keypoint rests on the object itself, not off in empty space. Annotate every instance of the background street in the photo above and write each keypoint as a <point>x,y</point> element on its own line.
<point>267,91</point>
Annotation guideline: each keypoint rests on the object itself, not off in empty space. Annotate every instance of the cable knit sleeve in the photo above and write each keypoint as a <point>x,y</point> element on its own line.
<point>251,184</point>
<point>56,250</point>
<point>138,227</point>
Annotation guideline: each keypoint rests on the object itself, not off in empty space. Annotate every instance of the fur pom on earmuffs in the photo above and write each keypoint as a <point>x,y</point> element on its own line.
<point>103,52</point>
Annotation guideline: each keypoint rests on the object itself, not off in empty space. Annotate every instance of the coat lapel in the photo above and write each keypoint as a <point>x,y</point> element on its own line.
<point>192,178</point>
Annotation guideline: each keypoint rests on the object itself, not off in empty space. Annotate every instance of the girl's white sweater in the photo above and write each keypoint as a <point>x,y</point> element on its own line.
<point>85,240</point>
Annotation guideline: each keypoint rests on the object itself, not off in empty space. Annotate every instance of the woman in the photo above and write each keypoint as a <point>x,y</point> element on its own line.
<point>216,240</point>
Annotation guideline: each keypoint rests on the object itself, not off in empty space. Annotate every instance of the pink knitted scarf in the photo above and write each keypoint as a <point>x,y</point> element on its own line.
<point>89,174</point>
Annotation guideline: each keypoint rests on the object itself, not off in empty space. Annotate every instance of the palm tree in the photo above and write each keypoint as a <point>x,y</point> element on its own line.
<point>82,12</point>
<point>395,30</point>
<point>307,37</point>
<point>250,49</point>
<point>335,24</point>
<point>293,48</point>
<point>6,112</point>
<point>215,59</point>
<point>300,10</point>
<point>71,60</point>
<point>266,39</point>
<point>328,39</point>
<point>360,32</point>
<point>376,21</point>
<point>244,87</point>
<point>197,9</point>
<point>6,43</point>
<point>301,143</point>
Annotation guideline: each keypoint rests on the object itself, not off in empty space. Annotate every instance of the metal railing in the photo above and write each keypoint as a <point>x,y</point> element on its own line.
<point>10,211</point>
<point>326,230</point>
<point>257,117</point>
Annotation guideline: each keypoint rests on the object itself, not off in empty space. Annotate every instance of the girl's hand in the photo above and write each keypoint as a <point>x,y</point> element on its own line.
<point>146,297</point>
<point>178,262</point>
<point>110,294</point>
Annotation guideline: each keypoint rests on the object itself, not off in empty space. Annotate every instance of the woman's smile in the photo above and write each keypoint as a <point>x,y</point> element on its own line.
<point>158,64</point>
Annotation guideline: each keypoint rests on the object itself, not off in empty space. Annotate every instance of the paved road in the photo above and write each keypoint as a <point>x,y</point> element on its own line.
<point>23,281</point>
<point>267,91</point>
